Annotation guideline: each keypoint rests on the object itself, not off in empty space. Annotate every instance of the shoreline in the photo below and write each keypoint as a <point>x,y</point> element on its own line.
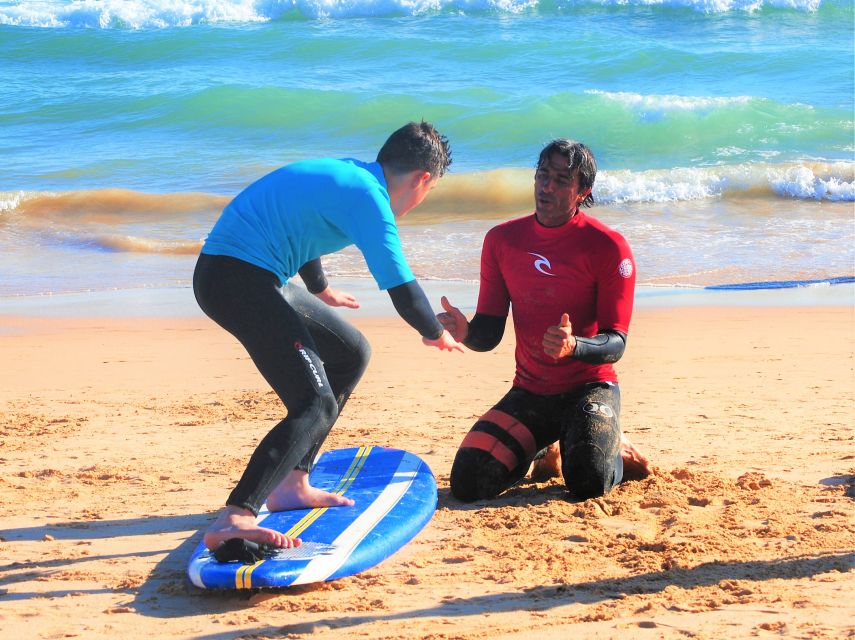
<point>179,301</point>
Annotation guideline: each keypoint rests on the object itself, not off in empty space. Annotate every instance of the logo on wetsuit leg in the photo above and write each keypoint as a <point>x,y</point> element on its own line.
<point>542,264</point>
<point>595,408</point>
<point>299,347</point>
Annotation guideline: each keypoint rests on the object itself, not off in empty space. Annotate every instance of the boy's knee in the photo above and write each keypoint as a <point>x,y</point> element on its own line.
<point>364,351</point>
<point>347,369</point>
<point>327,409</point>
<point>363,356</point>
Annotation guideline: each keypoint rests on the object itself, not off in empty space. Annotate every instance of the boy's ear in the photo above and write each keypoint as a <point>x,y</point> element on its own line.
<point>421,177</point>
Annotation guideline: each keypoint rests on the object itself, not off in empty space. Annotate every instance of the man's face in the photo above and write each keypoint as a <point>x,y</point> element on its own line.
<point>556,192</point>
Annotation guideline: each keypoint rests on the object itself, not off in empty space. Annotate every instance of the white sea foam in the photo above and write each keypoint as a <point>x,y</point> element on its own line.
<point>809,181</point>
<point>10,200</point>
<point>723,6</point>
<point>158,14</point>
<point>657,186</point>
<point>130,14</point>
<point>802,182</point>
<point>647,106</point>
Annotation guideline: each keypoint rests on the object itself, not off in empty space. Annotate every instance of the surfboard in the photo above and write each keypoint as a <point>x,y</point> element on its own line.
<point>395,496</point>
<point>781,284</point>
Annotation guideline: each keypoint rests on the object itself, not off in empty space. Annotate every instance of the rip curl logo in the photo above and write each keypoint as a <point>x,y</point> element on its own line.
<point>595,408</point>
<point>625,268</point>
<point>542,264</point>
<point>299,347</point>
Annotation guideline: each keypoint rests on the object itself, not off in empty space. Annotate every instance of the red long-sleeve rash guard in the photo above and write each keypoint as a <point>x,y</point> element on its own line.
<point>582,268</point>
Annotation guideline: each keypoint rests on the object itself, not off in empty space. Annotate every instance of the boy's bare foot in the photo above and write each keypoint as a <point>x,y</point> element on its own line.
<point>295,492</point>
<point>549,466</point>
<point>234,522</point>
<point>635,465</point>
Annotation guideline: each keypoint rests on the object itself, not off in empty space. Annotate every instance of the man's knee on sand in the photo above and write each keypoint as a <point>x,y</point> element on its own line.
<point>476,475</point>
<point>588,472</point>
<point>589,447</point>
<point>590,444</point>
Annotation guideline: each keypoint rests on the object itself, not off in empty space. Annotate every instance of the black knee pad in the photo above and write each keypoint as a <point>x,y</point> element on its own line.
<point>476,475</point>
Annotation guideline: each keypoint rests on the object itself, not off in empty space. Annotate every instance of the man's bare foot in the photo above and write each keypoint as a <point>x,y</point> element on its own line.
<point>295,492</point>
<point>635,465</point>
<point>234,522</point>
<point>549,466</point>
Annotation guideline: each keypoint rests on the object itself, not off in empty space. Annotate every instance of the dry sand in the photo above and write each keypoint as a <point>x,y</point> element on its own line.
<point>121,438</point>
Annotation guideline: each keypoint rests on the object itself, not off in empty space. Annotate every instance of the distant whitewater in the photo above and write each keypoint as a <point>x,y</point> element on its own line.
<point>160,14</point>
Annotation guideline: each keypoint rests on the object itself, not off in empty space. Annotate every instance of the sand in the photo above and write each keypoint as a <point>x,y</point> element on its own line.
<point>122,436</point>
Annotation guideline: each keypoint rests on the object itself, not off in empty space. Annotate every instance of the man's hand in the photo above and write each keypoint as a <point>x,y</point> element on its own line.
<point>444,343</point>
<point>558,341</point>
<point>338,298</point>
<point>453,321</point>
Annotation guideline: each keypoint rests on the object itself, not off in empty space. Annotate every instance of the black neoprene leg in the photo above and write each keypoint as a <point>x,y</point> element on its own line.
<point>248,302</point>
<point>343,349</point>
<point>498,450</point>
<point>590,442</point>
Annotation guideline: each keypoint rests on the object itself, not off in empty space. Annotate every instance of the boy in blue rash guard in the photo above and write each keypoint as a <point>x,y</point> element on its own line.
<point>277,227</point>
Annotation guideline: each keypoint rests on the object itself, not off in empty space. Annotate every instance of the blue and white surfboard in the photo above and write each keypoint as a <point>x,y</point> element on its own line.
<point>395,495</point>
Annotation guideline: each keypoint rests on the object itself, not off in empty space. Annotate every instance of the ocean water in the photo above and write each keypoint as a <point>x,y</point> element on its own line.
<point>723,129</point>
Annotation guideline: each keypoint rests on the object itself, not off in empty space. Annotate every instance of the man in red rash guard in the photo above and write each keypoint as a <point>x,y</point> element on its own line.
<point>570,281</point>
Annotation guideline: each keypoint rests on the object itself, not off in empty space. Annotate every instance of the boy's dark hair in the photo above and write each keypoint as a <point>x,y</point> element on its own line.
<point>417,146</point>
<point>580,163</point>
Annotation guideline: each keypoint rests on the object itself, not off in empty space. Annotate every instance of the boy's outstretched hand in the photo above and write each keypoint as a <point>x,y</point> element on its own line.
<point>338,298</point>
<point>444,342</point>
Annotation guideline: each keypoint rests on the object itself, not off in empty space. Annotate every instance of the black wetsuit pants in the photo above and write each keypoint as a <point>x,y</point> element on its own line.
<point>498,450</point>
<point>310,356</point>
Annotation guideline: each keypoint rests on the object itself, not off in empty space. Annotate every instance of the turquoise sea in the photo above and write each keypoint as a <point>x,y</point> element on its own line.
<point>723,128</point>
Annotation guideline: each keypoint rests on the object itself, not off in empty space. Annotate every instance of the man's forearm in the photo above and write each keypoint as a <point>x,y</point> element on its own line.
<point>485,332</point>
<point>604,348</point>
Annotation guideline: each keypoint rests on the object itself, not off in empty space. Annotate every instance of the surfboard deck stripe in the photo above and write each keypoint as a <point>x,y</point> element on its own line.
<point>243,579</point>
<point>395,494</point>
<point>322,567</point>
<point>346,480</point>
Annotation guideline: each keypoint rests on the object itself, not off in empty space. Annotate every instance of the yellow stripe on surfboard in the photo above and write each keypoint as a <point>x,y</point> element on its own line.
<point>345,482</point>
<point>243,577</point>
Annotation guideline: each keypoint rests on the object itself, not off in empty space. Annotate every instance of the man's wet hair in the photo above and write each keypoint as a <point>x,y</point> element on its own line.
<point>580,163</point>
<point>417,146</point>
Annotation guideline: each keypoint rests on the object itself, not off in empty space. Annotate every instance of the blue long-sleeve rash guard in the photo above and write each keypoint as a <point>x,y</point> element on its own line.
<point>309,209</point>
<point>286,220</point>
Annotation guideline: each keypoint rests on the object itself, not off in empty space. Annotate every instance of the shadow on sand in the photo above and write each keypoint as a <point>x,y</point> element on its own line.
<point>167,593</point>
